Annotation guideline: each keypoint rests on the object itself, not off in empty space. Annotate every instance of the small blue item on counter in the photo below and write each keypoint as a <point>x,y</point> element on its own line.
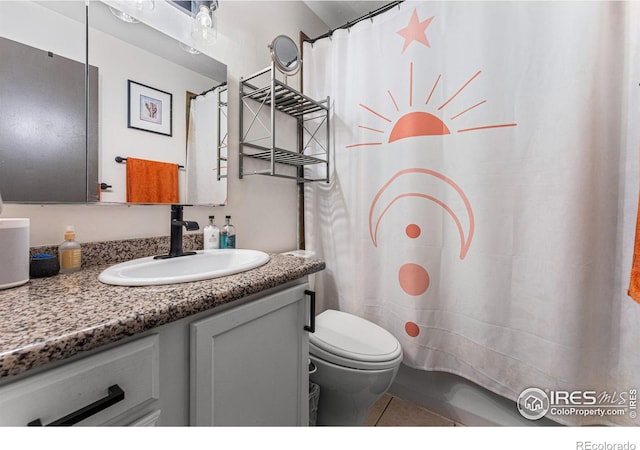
<point>43,256</point>
<point>43,265</point>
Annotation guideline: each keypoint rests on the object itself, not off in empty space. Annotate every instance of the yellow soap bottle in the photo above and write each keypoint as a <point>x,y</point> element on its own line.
<point>69,252</point>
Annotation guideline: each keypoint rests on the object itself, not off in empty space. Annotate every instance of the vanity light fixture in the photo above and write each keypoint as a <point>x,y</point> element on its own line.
<point>204,30</point>
<point>131,5</point>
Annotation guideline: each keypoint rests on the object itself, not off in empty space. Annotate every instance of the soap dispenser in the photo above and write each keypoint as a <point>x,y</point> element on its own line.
<point>228,234</point>
<point>69,252</point>
<point>211,235</point>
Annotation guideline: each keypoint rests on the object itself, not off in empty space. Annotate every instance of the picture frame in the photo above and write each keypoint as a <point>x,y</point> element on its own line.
<point>149,109</point>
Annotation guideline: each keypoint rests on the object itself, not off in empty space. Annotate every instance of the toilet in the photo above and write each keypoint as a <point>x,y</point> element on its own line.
<point>356,361</point>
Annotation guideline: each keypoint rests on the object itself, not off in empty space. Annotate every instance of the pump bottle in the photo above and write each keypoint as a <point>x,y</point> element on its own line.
<point>211,235</point>
<point>69,252</point>
<point>228,234</point>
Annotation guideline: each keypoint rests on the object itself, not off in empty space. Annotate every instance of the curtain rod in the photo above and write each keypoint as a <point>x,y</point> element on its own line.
<point>224,83</point>
<point>348,25</point>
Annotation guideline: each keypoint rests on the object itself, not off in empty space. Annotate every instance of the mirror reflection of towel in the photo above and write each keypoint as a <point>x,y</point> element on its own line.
<point>151,181</point>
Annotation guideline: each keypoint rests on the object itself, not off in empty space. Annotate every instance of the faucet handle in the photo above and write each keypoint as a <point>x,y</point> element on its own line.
<point>176,212</point>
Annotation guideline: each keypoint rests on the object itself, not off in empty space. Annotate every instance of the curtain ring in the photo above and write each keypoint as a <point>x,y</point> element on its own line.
<point>370,17</point>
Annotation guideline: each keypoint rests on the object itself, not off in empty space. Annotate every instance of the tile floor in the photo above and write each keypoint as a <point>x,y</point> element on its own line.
<point>392,411</point>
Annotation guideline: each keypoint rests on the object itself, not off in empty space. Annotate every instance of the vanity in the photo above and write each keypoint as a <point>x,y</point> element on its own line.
<point>230,351</point>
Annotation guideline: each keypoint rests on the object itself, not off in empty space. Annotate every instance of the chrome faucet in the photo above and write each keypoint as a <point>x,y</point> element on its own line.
<point>177,223</point>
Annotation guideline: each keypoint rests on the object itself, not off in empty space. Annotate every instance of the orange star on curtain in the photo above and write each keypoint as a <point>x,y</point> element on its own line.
<point>415,31</point>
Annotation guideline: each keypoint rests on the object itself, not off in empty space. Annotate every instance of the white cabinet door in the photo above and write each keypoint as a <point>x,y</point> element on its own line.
<point>249,365</point>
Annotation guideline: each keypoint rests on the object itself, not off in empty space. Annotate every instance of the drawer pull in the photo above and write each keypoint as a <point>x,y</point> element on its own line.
<point>115,395</point>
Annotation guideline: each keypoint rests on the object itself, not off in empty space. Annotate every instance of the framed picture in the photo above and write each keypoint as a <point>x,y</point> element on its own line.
<point>149,109</point>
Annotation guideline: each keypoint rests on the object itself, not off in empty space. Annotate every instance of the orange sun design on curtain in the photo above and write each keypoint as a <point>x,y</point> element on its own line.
<point>418,123</point>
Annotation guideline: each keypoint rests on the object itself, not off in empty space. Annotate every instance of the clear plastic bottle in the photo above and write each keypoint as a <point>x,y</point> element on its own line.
<point>69,252</point>
<point>228,234</point>
<point>211,235</point>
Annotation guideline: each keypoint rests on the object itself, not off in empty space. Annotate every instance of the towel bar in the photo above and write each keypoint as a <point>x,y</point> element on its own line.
<point>120,159</point>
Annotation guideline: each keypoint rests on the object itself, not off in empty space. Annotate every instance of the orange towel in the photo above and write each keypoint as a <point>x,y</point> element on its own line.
<point>634,282</point>
<point>151,181</point>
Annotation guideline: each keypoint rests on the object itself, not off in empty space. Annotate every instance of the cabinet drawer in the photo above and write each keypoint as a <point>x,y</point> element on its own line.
<point>57,393</point>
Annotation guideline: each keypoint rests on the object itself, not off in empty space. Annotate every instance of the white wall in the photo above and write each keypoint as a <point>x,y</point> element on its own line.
<point>263,209</point>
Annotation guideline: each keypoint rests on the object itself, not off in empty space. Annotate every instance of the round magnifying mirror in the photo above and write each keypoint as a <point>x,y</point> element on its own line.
<point>284,53</point>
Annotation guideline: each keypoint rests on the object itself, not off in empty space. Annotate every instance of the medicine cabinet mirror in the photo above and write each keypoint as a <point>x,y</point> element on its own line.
<point>118,53</point>
<point>43,133</point>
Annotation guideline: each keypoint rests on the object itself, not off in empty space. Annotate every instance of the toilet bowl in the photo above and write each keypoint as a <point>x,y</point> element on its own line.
<point>356,362</point>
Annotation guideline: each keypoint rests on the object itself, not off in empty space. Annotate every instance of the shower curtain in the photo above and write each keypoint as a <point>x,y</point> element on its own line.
<point>203,187</point>
<point>484,189</point>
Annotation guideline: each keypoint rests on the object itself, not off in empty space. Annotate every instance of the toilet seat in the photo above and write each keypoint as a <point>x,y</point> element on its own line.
<point>351,341</point>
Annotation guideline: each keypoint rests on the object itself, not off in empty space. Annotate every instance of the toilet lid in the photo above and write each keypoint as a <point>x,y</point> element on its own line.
<point>349,340</point>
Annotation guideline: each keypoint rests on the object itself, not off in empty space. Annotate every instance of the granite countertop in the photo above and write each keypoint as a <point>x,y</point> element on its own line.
<point>49,319</point>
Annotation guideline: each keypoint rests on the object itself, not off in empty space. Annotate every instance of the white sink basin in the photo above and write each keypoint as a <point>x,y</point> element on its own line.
<point>204,265</point>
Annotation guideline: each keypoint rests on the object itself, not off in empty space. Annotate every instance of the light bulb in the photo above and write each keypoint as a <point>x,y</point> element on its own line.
<point>204,30</point>
<point>203,17</point>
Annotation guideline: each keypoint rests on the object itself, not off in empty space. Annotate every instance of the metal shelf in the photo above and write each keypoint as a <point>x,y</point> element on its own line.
<point>263,92</point>
<point>282,156</point>
<point>287,100</point>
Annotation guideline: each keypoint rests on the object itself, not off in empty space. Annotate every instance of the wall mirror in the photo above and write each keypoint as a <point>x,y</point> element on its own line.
<point>284,53</point>
<point>133,54</point>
